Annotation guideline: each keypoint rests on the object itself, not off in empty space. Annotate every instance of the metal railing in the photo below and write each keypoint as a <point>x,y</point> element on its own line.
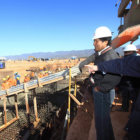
<point>40,82</point>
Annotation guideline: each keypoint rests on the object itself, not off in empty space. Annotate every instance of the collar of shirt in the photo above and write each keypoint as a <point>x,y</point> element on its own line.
<point>100,52</point>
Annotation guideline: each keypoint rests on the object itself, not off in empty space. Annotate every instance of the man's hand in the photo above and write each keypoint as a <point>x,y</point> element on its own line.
<point>92,68</point>
<point>96,89</point>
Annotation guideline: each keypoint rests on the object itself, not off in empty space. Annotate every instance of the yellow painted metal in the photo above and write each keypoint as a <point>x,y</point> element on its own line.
<point>5,113</point>
<point>75,88</point>
<point>76,101</point>
<point>69,98</point>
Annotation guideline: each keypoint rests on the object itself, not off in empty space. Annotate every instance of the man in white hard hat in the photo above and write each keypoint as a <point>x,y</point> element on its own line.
<point>127,66</point>
<point>129,86</point>
<point>130,50</point>
<point>102,83</point>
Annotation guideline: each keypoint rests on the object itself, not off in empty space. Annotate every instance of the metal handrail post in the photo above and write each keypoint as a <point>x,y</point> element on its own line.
<point>69,98</point>
<point>5,114</point>
<point>75,88</point>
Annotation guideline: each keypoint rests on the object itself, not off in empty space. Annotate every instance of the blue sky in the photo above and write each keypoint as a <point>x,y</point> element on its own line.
<point>28,26</point>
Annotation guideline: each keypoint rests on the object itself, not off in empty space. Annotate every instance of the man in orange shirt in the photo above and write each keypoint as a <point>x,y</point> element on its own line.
<point>27,78</point>
<point>46,73</point>
<point>40,75</point>
<point>9,80</point>
<point>32,75</point>
<point>5,84</point>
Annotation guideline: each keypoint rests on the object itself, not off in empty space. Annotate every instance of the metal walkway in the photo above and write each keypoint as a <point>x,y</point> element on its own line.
<point>39,82</point>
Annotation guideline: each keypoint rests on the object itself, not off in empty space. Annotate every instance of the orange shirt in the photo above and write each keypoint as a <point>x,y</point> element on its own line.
<point>46,74</point>
<point>40,75</point>
<point>26,79</point>
<point>5,85</point>
<point>32,74</point>
<point>14,82</point>
<point>10,82</point>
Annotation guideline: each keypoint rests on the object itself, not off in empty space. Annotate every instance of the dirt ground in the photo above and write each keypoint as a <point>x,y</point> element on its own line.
<point>52,65</point>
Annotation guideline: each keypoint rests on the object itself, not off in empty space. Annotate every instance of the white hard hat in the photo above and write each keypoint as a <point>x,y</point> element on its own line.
<point>102,32</point>
<point>130,47</point>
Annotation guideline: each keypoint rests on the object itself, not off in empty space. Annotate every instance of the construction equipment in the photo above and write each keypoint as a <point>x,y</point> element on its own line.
<point>130,16</point>
<point>2,62</point>
<point>2,65</point>
<point>129,30</point>
<point>32,58</point>
<point>130,34</point>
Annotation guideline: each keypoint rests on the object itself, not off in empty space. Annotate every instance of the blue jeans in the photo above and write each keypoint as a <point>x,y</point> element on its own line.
<point>102,104</point>
<point>112,96</point>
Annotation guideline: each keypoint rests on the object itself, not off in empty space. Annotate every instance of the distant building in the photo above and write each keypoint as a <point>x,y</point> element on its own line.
<point>74,57</point>
<point>2,62</point>
<point>2,58</point>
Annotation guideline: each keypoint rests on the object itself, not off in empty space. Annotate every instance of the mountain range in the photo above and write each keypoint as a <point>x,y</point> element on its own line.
<point>60,54</point>
<point>52,55</point>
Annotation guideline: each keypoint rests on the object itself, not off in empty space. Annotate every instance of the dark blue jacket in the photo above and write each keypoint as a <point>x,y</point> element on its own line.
<point>129,66</point>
